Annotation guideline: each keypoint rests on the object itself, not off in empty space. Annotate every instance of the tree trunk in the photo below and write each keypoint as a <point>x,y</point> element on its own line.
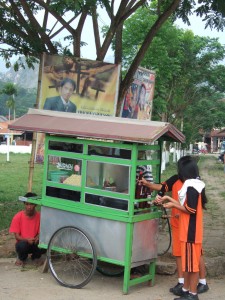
<point>118,44</point>
<point>34,140</point>
<point>140,55</point>
<point>14,108</point>
<point>96,32</point>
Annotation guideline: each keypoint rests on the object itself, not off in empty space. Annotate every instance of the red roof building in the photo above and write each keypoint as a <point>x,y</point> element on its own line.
<point>217,136</point>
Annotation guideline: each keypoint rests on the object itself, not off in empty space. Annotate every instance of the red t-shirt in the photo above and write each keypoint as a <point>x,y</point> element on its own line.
<point>26,227</point>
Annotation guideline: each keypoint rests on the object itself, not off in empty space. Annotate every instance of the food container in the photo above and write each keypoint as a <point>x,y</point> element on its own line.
<point>110,188</point>
<point>74,179</point>
<point>56,175</point>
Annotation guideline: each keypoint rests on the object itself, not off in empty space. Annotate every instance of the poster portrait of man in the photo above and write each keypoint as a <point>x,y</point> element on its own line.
<point>62,102</point>
<point>92,86</point>
<point>77,85</point>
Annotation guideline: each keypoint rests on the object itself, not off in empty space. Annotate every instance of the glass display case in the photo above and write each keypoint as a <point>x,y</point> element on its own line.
<point>97,173</point>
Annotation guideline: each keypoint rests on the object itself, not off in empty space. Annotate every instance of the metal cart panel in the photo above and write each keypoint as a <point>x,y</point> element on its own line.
<point>109,236</point>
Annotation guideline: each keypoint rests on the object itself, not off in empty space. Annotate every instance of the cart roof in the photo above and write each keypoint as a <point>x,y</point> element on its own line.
<point>109,128</point>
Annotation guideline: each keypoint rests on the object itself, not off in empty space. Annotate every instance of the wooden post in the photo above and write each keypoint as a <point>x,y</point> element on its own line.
<point>7,145</point>
<point>34,141</point>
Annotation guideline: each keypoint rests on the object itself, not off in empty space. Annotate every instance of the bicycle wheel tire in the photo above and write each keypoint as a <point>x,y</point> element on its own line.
<point>110,270</point>
<point>164,236</point>
<point>71,257</point>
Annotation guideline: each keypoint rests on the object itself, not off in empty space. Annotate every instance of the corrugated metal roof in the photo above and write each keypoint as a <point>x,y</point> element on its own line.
<point>110,128</point>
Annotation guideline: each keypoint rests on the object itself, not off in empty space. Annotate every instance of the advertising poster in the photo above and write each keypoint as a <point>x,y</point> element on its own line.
<point>77,85</point>
<point>138,100</point>
<point>95,85</point>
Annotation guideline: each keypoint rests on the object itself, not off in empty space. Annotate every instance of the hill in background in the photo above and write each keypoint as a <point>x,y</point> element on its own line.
<point>26,81</point>
<point>26,78</point>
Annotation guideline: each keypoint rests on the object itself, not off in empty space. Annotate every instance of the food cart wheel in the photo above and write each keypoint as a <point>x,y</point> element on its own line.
<point>110,270</point>
<point>71,257</point>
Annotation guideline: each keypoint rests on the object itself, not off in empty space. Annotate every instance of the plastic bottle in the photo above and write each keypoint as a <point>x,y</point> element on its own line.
<point>161,193</point>
<point>139,187</point>
<point>141,191</point>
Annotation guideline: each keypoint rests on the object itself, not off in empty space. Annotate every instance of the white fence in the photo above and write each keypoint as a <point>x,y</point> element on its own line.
<point>15,149</point>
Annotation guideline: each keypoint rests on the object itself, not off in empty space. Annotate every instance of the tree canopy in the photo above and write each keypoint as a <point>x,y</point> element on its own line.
<point>32,27</point>
<point>190,74</point>
<point>10,90</point>
<point>24,99</point>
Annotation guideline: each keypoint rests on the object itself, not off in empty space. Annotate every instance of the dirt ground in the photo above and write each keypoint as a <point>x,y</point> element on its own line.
<point>32,284</point>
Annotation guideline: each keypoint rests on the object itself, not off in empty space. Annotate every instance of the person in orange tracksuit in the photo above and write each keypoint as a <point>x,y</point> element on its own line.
<point>192,200</point>
<point>174,184</point>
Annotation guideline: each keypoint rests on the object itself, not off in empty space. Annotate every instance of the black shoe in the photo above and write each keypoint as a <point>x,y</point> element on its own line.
<point>188,296</point>
<point>176,289</point>
<point>181,293</point>
<point>202,288</point>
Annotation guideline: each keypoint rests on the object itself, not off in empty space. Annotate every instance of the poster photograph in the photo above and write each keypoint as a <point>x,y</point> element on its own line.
<point>77,85</point>
<point>138,99</point>
<point>90,87</point>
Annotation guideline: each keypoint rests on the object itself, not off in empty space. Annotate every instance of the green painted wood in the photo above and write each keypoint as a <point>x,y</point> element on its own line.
<point>128,255</point>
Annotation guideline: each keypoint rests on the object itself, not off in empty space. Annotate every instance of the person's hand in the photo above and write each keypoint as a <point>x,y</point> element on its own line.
<point>168,205</point>
<point>171,202</point>
<point>36,240</point>
<point>158,200</point>
<point>31,241</point>
<point>143,181</point>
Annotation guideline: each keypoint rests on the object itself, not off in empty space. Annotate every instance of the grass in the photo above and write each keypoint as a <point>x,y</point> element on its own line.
<point>216,174</point>
<point>14,183</point>
<point>171,169</point>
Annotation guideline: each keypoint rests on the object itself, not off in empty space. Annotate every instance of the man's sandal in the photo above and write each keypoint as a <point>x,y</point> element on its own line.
<point>19,263</point>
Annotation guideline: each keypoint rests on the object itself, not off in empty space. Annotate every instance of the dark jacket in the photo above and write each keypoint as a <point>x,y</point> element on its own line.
<point>55,103</point>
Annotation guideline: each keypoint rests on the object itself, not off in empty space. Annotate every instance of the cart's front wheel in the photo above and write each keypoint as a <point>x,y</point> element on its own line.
<point>71,257</point>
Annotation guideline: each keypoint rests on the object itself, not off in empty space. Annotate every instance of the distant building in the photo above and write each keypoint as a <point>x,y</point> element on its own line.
<point>217,137</point>
<point>16,137</point>
<point>3,119</point>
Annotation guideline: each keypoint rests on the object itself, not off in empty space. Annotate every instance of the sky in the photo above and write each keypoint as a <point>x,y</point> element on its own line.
<point>198,27</point>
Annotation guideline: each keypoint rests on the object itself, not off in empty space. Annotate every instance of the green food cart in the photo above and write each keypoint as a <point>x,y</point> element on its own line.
<point>89,214</point>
